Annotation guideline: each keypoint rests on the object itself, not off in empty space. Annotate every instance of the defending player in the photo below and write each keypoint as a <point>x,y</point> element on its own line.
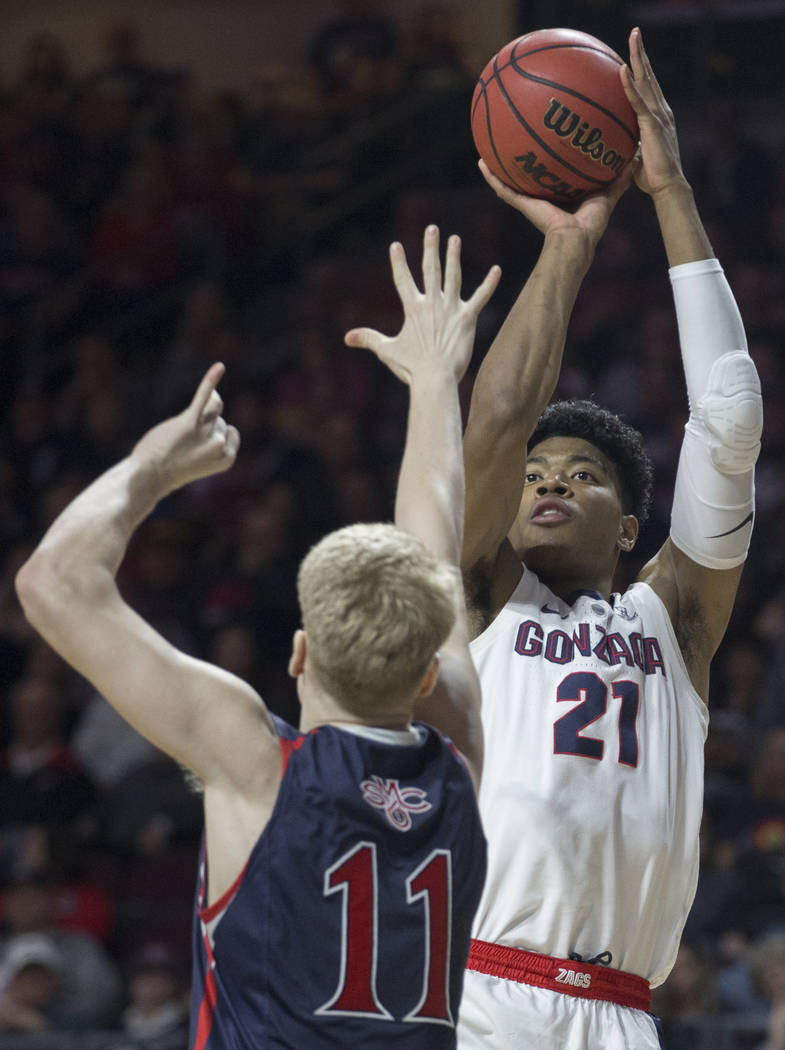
<point>594,708</point>
<point>343,863</point>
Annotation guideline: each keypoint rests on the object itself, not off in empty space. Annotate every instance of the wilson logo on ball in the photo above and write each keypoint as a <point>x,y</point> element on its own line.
<point>568,125</point>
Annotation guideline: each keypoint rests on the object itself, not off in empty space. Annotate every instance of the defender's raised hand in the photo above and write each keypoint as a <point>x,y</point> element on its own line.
<point>194,444</point>
<point>659,145</point>
<point>438,329</point>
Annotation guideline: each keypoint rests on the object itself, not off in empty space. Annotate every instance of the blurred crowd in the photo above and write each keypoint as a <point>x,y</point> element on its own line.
<point>149,227</point>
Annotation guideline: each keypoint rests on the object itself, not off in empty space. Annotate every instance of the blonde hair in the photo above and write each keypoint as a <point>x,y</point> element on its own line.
<point>376,605</point>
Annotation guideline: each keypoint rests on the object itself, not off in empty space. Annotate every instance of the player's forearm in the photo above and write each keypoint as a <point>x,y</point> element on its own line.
<point>430,495</point>
<point>518,376</point>
<point>683,233</point>
<point>75,563</point>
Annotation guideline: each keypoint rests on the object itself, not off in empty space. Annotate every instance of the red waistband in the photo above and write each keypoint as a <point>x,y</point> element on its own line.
<point>584,980</point>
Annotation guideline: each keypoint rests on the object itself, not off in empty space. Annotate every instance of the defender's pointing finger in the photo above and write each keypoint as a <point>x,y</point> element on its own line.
<point>210,381</point>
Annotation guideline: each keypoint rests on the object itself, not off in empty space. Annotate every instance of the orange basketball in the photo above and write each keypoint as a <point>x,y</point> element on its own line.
<point>550,118</point>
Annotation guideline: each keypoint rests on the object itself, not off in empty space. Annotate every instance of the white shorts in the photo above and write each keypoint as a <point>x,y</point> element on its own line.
<point>501,1014</point>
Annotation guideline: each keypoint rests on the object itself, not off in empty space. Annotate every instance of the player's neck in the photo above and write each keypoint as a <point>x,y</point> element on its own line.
<point>319,708</point>
<point>564,579</point>
<point>308,723</point>
<point>568,585</point>
<point>311,719</point>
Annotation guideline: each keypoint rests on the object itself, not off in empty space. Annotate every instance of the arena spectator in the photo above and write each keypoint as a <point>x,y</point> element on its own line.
<point>157,993</point>
<point>767,962</point>
<point>31,972</point>
<point>760,841</point>
<point>41,782</point>
<point>89,990</point>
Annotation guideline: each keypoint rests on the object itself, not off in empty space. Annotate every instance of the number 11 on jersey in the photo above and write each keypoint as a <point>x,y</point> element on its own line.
<point>355,877</point>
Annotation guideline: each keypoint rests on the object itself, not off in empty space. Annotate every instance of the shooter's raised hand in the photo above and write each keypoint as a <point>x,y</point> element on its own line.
<point>659,145</point>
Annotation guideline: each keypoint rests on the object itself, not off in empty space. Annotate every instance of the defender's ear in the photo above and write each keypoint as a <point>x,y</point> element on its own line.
<point>428,683</point>
<point>299,649</point>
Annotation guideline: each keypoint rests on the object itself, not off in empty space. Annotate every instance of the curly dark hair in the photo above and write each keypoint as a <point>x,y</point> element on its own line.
<point>620,442</point>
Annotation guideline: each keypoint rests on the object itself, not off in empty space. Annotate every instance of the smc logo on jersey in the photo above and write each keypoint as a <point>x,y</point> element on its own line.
<point>396,801</point>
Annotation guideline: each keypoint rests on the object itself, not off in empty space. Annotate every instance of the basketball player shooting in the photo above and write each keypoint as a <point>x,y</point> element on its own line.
<point>595,704</point>
<point>342,862</point>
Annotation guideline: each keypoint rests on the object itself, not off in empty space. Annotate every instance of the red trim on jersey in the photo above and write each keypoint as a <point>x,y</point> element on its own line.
<point>204,1021</point>
<point>209,913</point>
<point>287,748</point>
<point>583,980</point>
<point>458,754</point>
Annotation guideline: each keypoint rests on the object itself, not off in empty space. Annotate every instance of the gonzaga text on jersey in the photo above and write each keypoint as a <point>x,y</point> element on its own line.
<point>559,647</point>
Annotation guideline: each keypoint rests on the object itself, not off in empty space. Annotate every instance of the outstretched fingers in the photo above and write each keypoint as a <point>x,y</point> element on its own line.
<point>645,83</point>
<point>431,265</point>
<point>634,97</point>
<point>485,290</point>
<point>382,346</point>
<point>402,276</point>
<point>438,326</point>
<point>366,338</point>
<point>452,268</point>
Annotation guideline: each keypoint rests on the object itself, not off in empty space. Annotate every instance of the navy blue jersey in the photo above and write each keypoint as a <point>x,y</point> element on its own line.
<point>350,925</point>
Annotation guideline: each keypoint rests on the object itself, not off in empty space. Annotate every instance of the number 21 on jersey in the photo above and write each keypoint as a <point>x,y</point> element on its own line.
<point>592,692</point>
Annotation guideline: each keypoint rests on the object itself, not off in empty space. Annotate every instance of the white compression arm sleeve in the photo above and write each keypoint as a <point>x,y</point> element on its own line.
<point>713,506</point>
<point>710,324</point>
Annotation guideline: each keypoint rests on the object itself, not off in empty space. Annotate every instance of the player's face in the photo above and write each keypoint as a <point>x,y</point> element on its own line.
<point>571,523</point>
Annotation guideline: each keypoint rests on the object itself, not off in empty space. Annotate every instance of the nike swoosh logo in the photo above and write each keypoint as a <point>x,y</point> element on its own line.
<point>736,528</point>
<point>553,612</point>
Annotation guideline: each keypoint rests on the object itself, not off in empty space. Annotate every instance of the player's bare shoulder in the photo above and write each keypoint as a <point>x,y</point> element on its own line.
<point>686,610</point>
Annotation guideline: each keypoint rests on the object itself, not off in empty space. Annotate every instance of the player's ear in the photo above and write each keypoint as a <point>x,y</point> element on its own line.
<point>428,683</point>
<point>299,649</point>
<point>628,532</point>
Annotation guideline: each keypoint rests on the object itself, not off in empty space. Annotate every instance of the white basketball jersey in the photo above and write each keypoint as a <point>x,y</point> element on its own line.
<point>592,787</point>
